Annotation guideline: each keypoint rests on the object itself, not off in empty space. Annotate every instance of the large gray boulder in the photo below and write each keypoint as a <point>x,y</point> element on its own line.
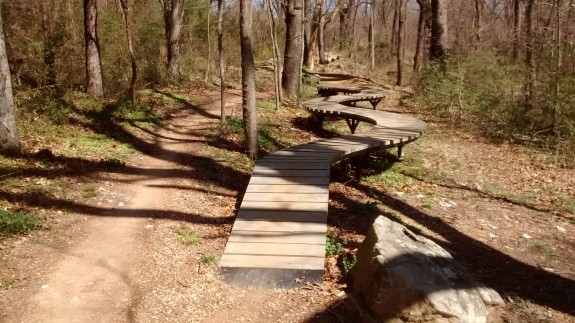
<point>401,276</point>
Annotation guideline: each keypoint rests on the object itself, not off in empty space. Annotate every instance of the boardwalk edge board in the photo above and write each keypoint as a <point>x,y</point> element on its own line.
<point>279,236</point>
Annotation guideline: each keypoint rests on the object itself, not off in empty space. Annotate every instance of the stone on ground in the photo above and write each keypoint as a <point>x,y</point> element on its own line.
<point>402,276</point>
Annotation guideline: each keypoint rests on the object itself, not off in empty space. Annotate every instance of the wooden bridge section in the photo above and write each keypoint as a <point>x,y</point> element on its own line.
<point>279,234</point>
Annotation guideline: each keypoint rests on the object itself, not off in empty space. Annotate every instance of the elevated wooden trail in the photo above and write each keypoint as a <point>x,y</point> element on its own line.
<point>279,234</point>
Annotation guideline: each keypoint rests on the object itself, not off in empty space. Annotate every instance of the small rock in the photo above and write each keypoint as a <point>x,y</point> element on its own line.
<point>445,204</point>
<point>560,229</point>
<point>44,286</point>
<point>149,226</point>
<point>526,236</point>
<point>492,236</point>
<point>549,269</point>
<point>121,204</point>
<point>399,193</point>
<point>419,196</point>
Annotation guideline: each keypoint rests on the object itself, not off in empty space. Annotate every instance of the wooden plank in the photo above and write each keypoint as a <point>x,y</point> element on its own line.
<point>289,180</point>
<point>275,249</point>
<point>267,171</point>
<point>279,226</point>
<point>285,206</point>
<point>280,188</point>
<point>267,261</point>
<point>282,216</point>
<point>295,237</point>
<point>288,197</point>
<point>272,164</point>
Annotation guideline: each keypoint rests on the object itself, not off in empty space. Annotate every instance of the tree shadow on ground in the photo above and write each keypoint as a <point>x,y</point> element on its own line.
<point>45,164</point>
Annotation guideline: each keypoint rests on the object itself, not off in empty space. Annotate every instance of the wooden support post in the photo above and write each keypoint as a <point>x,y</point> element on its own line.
<point>360,162</point>
<point>352,124</point>
<point>318,118</point>
<point>400,152</point>
<point>374,102</point>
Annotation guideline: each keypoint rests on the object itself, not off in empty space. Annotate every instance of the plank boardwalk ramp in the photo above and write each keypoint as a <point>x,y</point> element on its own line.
<point>279,235</point>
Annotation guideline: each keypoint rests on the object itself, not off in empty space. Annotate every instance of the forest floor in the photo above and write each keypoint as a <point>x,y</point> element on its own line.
<point>146,244</point>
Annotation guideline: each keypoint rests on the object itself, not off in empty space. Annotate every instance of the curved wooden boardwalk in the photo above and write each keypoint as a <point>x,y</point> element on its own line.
<point>279,234</point>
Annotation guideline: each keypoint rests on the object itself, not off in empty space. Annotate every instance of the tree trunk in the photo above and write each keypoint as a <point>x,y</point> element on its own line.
<point>321,41</point>
<point>477,13</point>
<point>293,48</point>
<point>173,18</point>
<point>125,12</point>
<point>207,75</point>
<point>421,32</point>
<point>248,79</point>
<point>529,55</point>
<point>8,134</point>
<point>221,63</point>
<point>313,34</point>
<point>276,57</point>
<point>516,29</point>
<point>400,39</point>
<point>394,31</point>
<point>438,32</point>
<point>93,67</point>
<point>371,38</point>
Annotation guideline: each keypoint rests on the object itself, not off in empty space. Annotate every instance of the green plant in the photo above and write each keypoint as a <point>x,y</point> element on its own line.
<point>12,222</point>
<point>348,262</point>
<point>234,125</point>
<point>332,246</point>
<point>189,237</point>
<point>208,259</point>
<point>89,191</point>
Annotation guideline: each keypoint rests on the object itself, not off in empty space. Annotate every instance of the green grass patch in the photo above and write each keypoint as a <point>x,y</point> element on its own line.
<point>234,125</point>
<point>189,237</point>
<point>89,191</point>
<point>568,205</point>
<point>208,259</point>
<point>267,105</point>
<point>15,222</point>
<point>391,179</point>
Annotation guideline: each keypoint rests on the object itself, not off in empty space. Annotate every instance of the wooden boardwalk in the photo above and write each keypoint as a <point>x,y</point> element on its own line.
<point>279,234</point>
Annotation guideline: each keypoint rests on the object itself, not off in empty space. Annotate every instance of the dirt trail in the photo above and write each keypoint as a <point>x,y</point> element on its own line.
<point>95,280</point>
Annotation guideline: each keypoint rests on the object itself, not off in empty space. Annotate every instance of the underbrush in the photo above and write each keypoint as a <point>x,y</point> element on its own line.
<point>487,93</point>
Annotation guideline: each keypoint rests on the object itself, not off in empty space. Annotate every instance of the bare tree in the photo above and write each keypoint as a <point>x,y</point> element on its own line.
<point>529,54</point>
<point>438,31</point>
<point>221,62</point>
<point>125,12</point>
<point>173,19</point>
<point>371,38</point>
<point>94,84</point>
<point>400,39</point>
<point>516,28</point>
<point>293,48</point>
<point>424,7</point>
<point>8,134</point>
<point>209,58</point>
<point>248,79</point>
<point>477,16</point>
<point>276,56</point>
